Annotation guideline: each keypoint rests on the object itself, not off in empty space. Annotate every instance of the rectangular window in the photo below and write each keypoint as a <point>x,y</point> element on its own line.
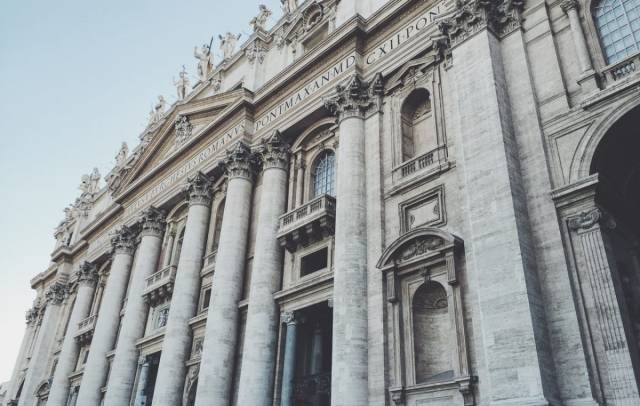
<point>314,262</point>
<point>206,298</point>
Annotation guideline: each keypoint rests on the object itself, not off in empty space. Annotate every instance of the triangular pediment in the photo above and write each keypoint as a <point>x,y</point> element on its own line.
<point>173,136</point>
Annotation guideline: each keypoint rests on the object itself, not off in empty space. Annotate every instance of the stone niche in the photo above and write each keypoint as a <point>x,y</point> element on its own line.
<point>427,341</point>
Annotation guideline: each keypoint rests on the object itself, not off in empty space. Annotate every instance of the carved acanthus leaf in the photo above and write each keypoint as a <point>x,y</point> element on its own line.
<point>240,162</point>
<point>275,152</point>
<point>123,241</point>
<point>87,273</point>
<point>153,222</point>
<point>199,190</point>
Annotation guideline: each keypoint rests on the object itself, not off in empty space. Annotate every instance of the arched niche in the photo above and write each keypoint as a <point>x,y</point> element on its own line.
<point>425,322</point>
<point>418,124</point>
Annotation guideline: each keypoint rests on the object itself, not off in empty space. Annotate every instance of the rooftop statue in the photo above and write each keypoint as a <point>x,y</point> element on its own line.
<point>259,22</point>
<point>158,110</point>
<point>182,84</point>
<point>289,6</point>
<point>228,44</point>
<point>205,60</point>
<point>122,156</point>
<point>90,183</point>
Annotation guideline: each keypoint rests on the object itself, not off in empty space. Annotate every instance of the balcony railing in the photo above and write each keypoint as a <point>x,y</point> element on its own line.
<point>432,160</point>
<point>85,330</point>
<point>308,222</point>
<point>160,285</point>
<point>618,71</point>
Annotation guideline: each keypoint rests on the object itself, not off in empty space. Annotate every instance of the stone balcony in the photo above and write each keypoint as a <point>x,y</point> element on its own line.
<point>621,70</point>
<point>85,330</point>
<point>432,161</point>
<point>159,286</point>
<point>308,223</point>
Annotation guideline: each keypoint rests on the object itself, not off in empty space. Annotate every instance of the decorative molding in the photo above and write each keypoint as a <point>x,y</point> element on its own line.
<point>275,153</point>
<point>353,99</point>
<point>567,5</point>
<point>153,222</point>
<point>183,129</point>
<point>419,246</point>
<point>289,318</point>
<point>199,190</point>
<point>256,51</point>
<point>87,274</point>
<point>472,16</point>
<point>585,220</point>
<point>123,241</point>
<point>240,163</point>
<point>56,293</point>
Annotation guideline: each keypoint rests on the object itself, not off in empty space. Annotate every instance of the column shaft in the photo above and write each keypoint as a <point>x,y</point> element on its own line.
<point>123,368</point>
<point>184,301</point>
<point>259,354</point>
<point>87,279</point>
<point>216,367</point>
<point>104,335</point>
<point>349,366</point>
<point>24,347</point>
<point>45,341</point>
<point>571,8</point>
<point>288,370</point>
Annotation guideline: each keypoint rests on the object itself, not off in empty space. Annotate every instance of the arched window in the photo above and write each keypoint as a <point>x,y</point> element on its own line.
<point>418,136</point>
<point>431,333</point>
<point>618,23</point>
<point>324,172</point>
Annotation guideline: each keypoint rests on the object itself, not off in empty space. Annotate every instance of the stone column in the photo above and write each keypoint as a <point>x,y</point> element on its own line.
<point>141,396</point>
<point>587,77</point>
<point>216,367</point>
<point>168,250</point>
<point>184,301</point>
<point>597,283</point>
<point>32,321</point>
<point>37,371</point>
<point>288,369</point>
<point>300,181</point>
<point>123,370</point>
<point>349,366</point>
<point>259,355</point>
<point>87,277</point>
<point>316,350</point>
<point>106,330</point>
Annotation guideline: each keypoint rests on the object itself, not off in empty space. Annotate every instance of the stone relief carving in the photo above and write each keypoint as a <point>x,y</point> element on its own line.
<point>199,189</point>
<point>585,220</point>
<point>256,51</point>
<point>419,246</point>
<point>275,153</point>
<point>352,99</point>
<point>158,112</point>
<point>56,293</point>
<point>184,129</point>
<point>471,16</point>
<point>259,22</point>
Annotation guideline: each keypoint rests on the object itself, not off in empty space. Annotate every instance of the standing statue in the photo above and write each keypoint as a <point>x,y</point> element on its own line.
<point>182,84</point>
<point>94,180</point>
<point>260,21</point>
<point>228,44</point>
<point>289,6</point>
<point>158,110</point>
<point>121,158</point>
<point>205,60</point>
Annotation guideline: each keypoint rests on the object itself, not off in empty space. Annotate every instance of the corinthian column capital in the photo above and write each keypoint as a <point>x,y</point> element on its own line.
<point>153,222</point>
<point>352,99</point>
<point>275,152</point>
<point>199,190</point>
<point>55,293</point>
<point>87,273</point>
<point>123,241</point>
<point>568,5</point>
<point>32,315</point>
<point>240,162</point>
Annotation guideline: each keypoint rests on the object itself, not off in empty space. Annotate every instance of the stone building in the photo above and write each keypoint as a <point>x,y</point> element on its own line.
<point>403,202</point>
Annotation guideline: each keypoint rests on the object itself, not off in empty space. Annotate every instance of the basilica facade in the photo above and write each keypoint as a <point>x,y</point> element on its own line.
<point>400,202</point>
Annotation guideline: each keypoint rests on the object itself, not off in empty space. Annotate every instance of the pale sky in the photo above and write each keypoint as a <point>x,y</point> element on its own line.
<point>77,78</point>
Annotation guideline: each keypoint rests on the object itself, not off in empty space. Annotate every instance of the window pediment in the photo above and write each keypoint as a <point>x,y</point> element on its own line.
<point>417,245</point>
